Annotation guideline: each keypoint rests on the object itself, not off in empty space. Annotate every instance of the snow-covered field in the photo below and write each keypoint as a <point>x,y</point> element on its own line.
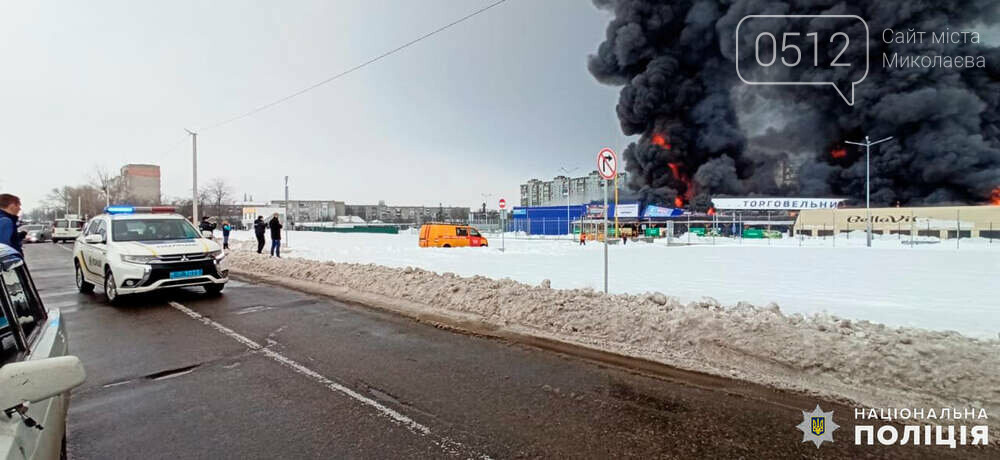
<point>933,285</point>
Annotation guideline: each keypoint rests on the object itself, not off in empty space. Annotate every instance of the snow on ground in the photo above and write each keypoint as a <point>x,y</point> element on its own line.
<point>933,285</point>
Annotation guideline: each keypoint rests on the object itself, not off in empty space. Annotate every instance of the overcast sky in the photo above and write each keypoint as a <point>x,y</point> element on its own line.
<point>479,108</point>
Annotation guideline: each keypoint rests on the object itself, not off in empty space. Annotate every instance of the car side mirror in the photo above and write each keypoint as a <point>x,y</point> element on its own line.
<point>206,234</point>
<point>94,239</point>
<point>39,379</point>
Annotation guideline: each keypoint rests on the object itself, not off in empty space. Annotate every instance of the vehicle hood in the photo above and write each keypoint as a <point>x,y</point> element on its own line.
<point>168,247</point>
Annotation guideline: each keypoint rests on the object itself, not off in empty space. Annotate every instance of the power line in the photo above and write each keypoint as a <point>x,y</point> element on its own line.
<point>353,69</point>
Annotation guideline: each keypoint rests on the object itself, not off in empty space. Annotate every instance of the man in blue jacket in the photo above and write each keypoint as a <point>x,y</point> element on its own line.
<point>10,207</point>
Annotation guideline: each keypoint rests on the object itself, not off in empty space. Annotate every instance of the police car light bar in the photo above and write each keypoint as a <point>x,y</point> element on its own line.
<point>139,209</point>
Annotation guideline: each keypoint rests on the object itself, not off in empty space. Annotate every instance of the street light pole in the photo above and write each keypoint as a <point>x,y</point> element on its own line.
<point>194,176</point>
<point>868,213</point>
<point>569,189</point>
<point>486,202</point>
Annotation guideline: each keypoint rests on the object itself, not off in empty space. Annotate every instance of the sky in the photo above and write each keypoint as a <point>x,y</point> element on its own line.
<point>477,109</point>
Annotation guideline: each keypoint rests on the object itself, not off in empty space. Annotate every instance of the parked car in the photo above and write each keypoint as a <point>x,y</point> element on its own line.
<point>36,233</point>
<point>36,374</point>
<point>450,236</point>
<point>129,250</point>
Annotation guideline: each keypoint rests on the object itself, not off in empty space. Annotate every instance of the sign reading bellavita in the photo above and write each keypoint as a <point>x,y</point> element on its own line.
<point>776,203</point>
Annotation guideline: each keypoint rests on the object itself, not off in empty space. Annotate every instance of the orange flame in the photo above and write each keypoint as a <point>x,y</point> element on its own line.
<point>995,196</point>
<point>839,152</point>
<point>711,211</point>
<point>674,168</point>
<point>660,140</point>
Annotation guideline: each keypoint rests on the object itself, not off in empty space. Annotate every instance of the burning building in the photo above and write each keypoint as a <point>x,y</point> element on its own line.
<point>703,133</point>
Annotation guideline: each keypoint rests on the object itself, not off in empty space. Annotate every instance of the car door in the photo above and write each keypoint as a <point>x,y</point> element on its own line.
<point>30,333</point>
<point>99,251</point>
<point>87,251</point>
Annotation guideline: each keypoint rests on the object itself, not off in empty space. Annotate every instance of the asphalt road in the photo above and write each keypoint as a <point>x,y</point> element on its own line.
<point>267,372</point>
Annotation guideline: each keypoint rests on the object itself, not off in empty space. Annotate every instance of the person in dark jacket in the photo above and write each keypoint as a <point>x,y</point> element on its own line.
<point>275,226</point>
<point>206,225</point>
<point>10,207</point>
<point>259,227</point>
<point>226,228</point>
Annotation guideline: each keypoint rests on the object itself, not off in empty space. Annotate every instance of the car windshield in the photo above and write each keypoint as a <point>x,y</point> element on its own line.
<point>152,230</point>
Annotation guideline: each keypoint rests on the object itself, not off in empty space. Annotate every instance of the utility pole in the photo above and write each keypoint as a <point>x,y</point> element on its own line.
<point>868,213</point>
<point>288,219</point>
<point>194,176</point>
<point>569,189</point>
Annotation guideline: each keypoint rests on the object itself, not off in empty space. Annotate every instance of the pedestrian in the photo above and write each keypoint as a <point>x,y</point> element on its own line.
<point>206,225</point>
<point>583,238</point>
<point>624,239</point>
<point>226,228</point>
<point>259,227</point>
<point>10,207</point>
<point>275,226</point>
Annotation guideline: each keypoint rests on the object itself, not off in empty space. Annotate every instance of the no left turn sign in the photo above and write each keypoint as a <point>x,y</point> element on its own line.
<point>607,164</point>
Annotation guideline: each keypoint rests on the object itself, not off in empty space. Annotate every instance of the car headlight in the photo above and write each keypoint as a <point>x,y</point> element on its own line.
<point>218,255</point>
<point>137,259</point>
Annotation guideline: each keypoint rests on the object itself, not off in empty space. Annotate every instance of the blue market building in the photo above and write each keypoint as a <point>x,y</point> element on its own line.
<point>557,220</point>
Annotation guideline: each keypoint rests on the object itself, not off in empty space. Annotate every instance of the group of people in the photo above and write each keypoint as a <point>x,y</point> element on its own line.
<point>260,228</point>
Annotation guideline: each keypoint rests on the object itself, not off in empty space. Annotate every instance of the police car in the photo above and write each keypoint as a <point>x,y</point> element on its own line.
<point>129,250</point>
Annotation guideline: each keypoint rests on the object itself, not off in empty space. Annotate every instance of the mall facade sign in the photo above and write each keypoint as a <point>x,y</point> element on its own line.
<point>774,204</point>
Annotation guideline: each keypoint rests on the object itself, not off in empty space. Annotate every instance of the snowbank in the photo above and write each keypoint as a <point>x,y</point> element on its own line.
<point>869,364</point>
<point>930,286</point>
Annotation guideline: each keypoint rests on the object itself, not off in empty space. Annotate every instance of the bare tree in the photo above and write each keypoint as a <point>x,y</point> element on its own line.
<point>218,193</point>
<point>112,187</point>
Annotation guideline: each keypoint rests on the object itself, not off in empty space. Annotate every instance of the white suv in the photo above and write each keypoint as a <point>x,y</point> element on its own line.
<point>129,250</point>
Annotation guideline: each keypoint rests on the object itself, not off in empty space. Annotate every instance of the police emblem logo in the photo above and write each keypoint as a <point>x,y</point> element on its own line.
<point>817,426</point>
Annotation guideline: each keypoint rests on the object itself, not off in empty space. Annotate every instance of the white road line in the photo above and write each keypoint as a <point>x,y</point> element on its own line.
<point>444,443</point>
<point>49,295</point>
<point>406,421</point>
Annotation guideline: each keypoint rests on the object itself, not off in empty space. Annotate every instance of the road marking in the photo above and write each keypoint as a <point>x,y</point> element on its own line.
<point>442,442</point>
<point>47,295</point>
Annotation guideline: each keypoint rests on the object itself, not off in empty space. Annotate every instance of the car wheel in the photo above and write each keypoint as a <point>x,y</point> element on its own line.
<point>214,289</point>
<point>111,289</point>
<point>81,283</point>
<point>446,246</point>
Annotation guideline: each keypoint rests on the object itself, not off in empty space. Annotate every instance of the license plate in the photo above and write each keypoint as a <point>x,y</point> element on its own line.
<point>185,274</point>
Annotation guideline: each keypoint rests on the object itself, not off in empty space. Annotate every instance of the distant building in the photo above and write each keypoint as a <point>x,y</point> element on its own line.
<point>407,214</point>
<point>582,190</point>
<point>141,183</point>
<point>312,210</point>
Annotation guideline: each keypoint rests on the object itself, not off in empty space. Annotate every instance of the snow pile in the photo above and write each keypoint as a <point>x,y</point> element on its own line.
<point>863,362</point>
<point>929,286</point>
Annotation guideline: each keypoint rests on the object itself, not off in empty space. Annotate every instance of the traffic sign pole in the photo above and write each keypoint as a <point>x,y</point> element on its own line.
<point>503,222</point>
<point>605,236</point>
<point>607,168</point>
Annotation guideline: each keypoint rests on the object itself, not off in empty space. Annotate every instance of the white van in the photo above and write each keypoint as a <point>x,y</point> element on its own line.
<point>67,228</point>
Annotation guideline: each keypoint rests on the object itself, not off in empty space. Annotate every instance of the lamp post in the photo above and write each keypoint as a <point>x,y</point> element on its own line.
<point>569,189</point>
<point>194,176</point>
<point>486,201</point>
<point>868,213</point>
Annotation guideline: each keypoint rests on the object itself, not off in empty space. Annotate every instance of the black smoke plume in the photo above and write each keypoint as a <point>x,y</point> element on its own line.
<point>704,133</point>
